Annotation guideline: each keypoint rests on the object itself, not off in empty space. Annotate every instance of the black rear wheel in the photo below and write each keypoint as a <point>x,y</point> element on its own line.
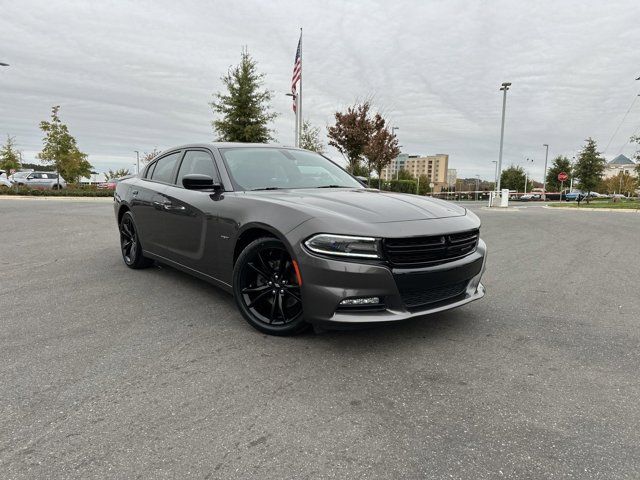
<point>130,244</point>
<point>266,288</point>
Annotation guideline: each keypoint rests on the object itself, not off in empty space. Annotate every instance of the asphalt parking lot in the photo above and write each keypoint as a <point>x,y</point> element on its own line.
<point>107,372</point>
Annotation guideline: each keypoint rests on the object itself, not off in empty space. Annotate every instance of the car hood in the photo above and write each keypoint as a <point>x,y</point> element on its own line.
<point>364,205</point>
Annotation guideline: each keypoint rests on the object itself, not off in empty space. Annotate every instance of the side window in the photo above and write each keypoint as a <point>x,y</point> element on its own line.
<point>196,161</point>
<point>164,168</point>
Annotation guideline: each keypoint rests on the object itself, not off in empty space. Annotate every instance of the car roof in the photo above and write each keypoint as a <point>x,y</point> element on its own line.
<point>229,145</point>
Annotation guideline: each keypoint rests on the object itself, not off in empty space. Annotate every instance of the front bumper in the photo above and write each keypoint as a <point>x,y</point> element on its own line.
<point>426,290</point>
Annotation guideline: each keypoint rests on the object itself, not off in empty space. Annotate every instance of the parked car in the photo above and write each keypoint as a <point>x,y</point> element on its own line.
<point>109,184</point>
<point>4,180</point>
<point>530,196</point>
<point>296,238</point>
<point>40,180</point>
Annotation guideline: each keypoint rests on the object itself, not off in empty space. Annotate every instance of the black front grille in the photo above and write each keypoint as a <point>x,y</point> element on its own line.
<point>414,297</point>
<point>418,251</point>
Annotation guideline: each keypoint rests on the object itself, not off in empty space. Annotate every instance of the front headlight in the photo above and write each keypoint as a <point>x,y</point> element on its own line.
<point>344,245</point>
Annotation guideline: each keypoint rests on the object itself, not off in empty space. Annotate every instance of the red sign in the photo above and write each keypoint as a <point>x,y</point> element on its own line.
<point>563,177</point>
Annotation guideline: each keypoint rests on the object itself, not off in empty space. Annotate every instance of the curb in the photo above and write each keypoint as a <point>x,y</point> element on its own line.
<point>45,198</point>
<point>588,209</point>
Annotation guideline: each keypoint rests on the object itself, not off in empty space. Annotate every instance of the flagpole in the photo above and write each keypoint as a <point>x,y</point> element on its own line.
<point>295,140</point>
<point>299,112</point>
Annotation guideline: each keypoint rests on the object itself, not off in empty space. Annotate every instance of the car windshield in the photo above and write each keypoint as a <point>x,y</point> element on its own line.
<point>256,168</point>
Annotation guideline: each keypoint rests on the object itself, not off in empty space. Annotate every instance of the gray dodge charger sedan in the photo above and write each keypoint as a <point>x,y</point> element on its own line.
<point>296,238</point>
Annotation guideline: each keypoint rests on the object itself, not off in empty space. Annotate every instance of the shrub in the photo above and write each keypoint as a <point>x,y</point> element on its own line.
<point>402,186</point>
<point>67,192</point>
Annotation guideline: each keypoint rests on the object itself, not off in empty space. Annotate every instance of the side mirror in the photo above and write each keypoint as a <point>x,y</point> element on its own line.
<point>196,181</point>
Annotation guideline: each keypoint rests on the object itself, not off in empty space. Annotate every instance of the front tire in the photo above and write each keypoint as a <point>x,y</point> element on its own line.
<point>130,244</point>
<point>266,289</point>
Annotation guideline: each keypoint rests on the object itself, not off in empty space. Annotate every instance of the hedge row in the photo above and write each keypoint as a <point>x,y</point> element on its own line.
<point>67,192</point>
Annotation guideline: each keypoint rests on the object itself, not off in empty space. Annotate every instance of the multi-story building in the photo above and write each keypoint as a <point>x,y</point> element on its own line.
<point>620,164</point>
<point>434,167</point>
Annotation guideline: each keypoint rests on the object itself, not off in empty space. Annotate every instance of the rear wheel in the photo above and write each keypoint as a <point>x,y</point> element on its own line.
<point>266,288</point>
<point>130,244</point>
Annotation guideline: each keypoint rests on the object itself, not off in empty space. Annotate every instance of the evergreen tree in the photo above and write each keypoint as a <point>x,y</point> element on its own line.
<point>589,167</point>
<point>60,149</point>
<point>560,164</point>
<point>10,156</point>
<point>310,138</point>
<point>244,111</point>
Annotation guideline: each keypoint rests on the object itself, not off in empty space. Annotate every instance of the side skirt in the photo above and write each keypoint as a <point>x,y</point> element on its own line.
<point>196,273</point>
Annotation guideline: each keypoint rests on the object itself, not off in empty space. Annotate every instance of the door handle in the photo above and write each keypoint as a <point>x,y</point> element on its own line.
<point>134,193</point>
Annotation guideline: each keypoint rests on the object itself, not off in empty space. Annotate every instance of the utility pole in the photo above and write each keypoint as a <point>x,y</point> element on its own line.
<point>544,179</point>
<point>504,88</point>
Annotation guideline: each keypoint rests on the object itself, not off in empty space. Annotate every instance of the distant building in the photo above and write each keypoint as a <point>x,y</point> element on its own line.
<point>435,167</point>
<point>620,164</point>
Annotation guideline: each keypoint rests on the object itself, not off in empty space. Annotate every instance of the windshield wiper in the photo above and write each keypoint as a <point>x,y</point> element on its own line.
<point>265,188</point>
<point>334,186</point>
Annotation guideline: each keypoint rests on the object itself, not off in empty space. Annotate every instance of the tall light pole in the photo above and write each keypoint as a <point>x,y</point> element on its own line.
<point>137,162</point>
<point>504,88</point>
<point>544,179</point>
<point>495,176</point>
<point>477,186</point>
<point>2,64</point>
<point>526,173</point>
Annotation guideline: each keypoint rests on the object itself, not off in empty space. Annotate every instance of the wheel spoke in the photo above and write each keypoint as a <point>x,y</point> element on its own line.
<point>260,272</point>
<point>259,289</point>
<point>264,264</point>
<point>292,295</point>
<point>257,299</point>
<point>132,251</point>
<point>284,317</point>
<point>273,308</point>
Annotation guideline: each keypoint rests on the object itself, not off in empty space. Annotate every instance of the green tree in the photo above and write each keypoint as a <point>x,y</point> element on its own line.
<point>352,132</point>
<point>636,139</point>
<point>622,183</point>
<point>381,149</point>
<point>121,172</point>
<point>404,174</point>
<point>310,138</point>
<point>60,148</point>
<point>513,178</point>
<point>589,167</point>
<point>243,111</point>
<point>10,156</point>
<point>148,156</point>
<point>560,164</point>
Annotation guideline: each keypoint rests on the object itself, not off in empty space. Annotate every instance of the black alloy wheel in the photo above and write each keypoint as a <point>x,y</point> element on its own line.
<point>130,244</point>
<point>266,288</point>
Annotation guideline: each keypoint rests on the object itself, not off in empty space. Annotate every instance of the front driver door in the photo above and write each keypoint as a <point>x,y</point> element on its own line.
<point>190,218</point>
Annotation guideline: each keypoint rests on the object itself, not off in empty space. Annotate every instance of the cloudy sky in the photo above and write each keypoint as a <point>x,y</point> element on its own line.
<point>138,75</point>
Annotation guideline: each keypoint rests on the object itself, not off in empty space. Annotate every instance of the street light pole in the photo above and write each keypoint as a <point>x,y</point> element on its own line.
<point>137,162</point>
<point>495,176</point>
<point>393,132</point>
<point>544,179</point>
<point>504,88</point>
<point>526,174</point>
<point>2,64</point>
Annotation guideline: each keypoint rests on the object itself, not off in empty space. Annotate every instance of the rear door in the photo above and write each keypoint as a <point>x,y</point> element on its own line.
<point>189,217</point>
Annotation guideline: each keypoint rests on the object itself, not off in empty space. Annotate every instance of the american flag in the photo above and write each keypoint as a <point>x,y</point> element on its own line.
<point>297,71</point>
